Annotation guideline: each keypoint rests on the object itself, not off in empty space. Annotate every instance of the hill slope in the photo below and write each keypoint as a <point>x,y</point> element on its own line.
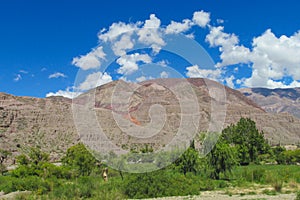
<point>49,122</point>
<point>276,100</point>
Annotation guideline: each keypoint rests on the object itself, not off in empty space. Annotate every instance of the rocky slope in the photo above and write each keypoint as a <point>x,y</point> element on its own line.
<point>121,109</point>
<point>26,121</point>
<point>276,100</point>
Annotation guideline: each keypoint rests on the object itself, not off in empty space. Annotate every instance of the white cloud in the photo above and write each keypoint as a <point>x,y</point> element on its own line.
<point>91,60</point>
<point>129,64</point>
<point>65,93</point>
<point>116,30</point>
<point>149,34</point>
<point>201,18</point>
<point>18,77</point>
<point>229,81</point>
<point>125,43</point>
<point>191,36</point>
<point>234,55</point>
<point>94,80</point>
<point>141,79</point>
<point>271,57</point>
<point>177,27</point>
<point>220,21</point>
<point>23,71</point>
<point>217,37</point>
<point>57,75</point>
<point>196,72</point>
<point>163,63</point>
<point>164,74</point>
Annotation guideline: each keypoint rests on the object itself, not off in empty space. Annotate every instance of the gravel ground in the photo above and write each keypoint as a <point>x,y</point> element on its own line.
<point>204,196</point>
<point>222,196</point>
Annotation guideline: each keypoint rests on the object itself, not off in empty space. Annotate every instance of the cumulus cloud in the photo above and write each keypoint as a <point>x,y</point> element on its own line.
<point>129,63</point>
<point>121,37</point>
<point>201,18</point>
<point>91,60</point>
<point>116,30</point>
<point>150,34</point>
<point>164,74</point>
<point>94,80</point>
<point>141,79</point>
<point>125,43</point>
<point>272,58</point>
<point>177,27</point>
<point>163,63</point>
<point>64,93</point>
<point>217,37</point>
<point>196,72</point>
<point>229,81</point>
<point>57,75</point>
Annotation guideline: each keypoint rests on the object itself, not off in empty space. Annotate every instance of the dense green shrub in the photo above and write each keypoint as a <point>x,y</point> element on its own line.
<point>249,142</point>
<point>221,159</point>
<point>289,157</point>
<point>298,196</point>
<point>159,184</point>
<point>31,183</point>
<point>80,160</point>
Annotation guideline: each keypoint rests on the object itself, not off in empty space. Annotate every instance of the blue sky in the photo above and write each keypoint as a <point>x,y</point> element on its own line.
<point>45,45</point>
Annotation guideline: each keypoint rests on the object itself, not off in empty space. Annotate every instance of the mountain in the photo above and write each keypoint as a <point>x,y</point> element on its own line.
<point>121,109</point>
<point>276,100</point>
<point>27,121</point>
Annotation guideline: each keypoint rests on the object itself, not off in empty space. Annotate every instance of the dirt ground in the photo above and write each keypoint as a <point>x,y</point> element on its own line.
<point>220,195</point>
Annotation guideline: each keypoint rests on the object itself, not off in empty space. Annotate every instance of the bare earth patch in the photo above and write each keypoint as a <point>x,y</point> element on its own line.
<point>215,195</point>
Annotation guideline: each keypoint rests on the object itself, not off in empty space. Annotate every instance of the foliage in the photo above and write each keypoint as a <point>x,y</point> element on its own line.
<point>189,161</point>
<point>249,142</point>
<point>35,164</point>
<point>80,160</point>
<point>221,159</point>
<point>289,157</point>
<point>4,154</point>
<point>78,177</point>
<point>30,183</point>
<point>298,196</point>
<point>159,184</point>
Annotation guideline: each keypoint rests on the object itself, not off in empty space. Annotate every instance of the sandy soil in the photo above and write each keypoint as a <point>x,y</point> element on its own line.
<point>220,195</point>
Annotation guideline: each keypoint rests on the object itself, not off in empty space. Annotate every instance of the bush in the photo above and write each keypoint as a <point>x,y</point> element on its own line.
<point>298,196</point>
<point>278,185</point>
<point>259,175</point>
<point>31,183</point>
<point>160,184</point>
<point>80,160</point>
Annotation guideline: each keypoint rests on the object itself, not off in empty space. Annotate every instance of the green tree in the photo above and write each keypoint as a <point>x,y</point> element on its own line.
<point>31,164</point>
<point>4,154</point>
<point>221,159</point>
<point>249,142</point>
<point>79,159</point>
<point>189,161</point>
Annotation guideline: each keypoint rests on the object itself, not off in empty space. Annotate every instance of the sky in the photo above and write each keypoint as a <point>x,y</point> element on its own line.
<point>60,47</point>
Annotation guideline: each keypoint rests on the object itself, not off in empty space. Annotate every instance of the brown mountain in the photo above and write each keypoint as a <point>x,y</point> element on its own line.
<point>120,106</point>
<point>276,100</point>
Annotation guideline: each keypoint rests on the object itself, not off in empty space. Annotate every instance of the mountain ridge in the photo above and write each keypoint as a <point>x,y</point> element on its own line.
<point>49,123</point>
<point>278,100</point>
